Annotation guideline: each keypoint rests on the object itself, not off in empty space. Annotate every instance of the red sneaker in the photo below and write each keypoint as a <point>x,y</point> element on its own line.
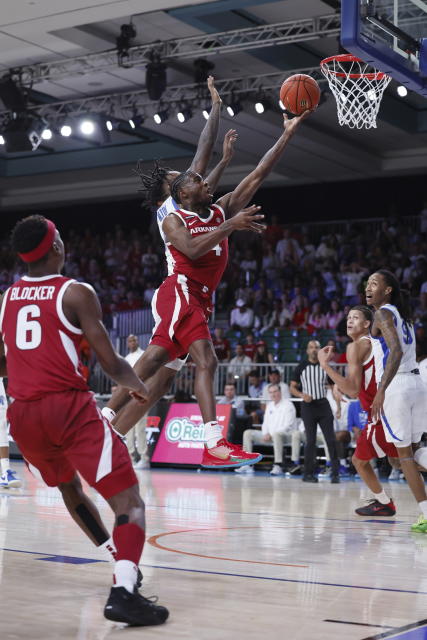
<point>239,452</point>
<point>226,456</point>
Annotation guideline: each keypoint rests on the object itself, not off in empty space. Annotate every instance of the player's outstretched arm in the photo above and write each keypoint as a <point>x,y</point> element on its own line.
<point>239,198</point>
<point>227,153</point>
<point>194,247</point>
<point>209,134</point>
<point>356,354</point>
<point>81,307</point>
<point>384,321</point>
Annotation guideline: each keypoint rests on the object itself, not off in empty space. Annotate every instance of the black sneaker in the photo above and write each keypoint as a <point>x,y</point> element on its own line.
<point>139,578</point>
<point>294,469</point>
<point>133,608</point>
<point>376,508</point>
<point>310,478</point>
<point>335,479</point>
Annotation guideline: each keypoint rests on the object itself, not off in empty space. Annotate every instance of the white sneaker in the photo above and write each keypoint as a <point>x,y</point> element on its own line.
<point>394,475</point>
<point>248,469</point>
<point>141,464</point>
<point>276,470</point>
<point>9,480</point>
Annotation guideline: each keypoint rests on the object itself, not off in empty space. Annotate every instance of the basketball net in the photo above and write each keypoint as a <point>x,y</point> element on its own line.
<point>358,89</point>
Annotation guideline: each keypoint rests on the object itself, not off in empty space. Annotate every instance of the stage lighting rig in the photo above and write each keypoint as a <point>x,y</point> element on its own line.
<point>124,43</point>
<point>23,132</point>
<point>155,77</point>
<point>202,69</point>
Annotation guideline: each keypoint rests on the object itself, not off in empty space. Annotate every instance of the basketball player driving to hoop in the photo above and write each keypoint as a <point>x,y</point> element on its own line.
<point>156,189</point>
<point>197,251</point>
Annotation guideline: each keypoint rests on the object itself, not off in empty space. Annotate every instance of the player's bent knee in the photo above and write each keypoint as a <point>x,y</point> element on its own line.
<point>358,463</point>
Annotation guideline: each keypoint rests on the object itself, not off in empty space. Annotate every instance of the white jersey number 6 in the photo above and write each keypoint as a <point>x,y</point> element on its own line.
<point>28,331</point>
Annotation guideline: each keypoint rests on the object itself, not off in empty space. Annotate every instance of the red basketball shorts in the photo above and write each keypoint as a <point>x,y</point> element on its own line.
<point>372,443</point>
<point>65,432</point>
<point>181,311</point>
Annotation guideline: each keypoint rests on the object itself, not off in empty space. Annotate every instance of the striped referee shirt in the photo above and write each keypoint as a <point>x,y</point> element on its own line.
<point>312,379</point>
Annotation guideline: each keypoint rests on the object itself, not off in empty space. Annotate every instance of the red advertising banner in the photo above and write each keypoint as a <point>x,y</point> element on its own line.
<point>182,438</point>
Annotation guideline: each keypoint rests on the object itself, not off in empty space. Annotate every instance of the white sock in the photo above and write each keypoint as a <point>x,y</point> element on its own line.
<point>420,456</point>
<point>213,433</point>
<point>382,497</point>
<point>125,574</point>
<point>343,461</point>
<point>109,549</point>
<point>108,413</point>
<point>4,465</point>
<point>423,508</point>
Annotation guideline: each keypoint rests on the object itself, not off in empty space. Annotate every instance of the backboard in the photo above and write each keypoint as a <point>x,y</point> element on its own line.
<point>390,35</point>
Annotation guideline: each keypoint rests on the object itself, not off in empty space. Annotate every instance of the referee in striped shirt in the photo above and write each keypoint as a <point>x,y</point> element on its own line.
<point>310,382</point>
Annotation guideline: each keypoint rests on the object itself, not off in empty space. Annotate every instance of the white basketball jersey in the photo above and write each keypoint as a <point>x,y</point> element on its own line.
<point>169,206</point>
<point>406,335</point>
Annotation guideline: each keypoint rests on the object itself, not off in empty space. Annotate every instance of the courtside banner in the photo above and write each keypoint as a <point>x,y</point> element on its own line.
<point>182,438</point>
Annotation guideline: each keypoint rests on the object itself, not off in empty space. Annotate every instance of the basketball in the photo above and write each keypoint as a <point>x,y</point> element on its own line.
<point>299,93</point>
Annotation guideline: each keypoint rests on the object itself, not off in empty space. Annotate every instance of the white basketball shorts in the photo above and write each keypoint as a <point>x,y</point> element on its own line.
<point>405,410</point>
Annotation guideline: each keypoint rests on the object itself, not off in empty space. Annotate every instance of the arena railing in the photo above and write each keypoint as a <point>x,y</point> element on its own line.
<point>184,380</point>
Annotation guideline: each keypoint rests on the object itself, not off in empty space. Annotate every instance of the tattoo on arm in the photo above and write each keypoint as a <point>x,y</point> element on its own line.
<point>384,322</point>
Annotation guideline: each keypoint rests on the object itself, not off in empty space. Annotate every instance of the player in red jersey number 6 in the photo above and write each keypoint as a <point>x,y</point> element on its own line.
<point>54,418</point>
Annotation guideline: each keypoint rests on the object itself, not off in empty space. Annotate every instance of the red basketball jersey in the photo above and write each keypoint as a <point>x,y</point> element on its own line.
<point>208,269</point>
<point>41,345</point>
<point>368,387</point>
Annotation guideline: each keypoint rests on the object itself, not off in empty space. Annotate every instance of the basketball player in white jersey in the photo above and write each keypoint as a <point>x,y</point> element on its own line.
<point>156,188</point>
<point>8,478</point>
<point>401,398</point>
<point>360,382</point>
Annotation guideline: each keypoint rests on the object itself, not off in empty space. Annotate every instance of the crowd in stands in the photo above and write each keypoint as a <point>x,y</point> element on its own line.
<point>297,279</point>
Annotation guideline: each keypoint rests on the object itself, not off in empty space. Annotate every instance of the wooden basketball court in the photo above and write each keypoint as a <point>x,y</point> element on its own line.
<point>230,556</point>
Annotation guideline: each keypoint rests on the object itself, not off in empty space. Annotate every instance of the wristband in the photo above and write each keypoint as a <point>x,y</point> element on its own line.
<point>108,413</point>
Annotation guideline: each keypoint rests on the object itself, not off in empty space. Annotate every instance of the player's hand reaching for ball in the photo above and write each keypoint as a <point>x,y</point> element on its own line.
<point>141,394</point>
<point>216,98</point>
<point>228,144</point>
<point>248,220</point>
<point>291,125</point>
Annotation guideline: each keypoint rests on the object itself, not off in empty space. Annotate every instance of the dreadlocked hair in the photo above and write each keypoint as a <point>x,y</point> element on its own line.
<point>400,298</point>
<point>178,183</point>
<point>28,233</point>
<point>152,183</point>
<point>365,310</point>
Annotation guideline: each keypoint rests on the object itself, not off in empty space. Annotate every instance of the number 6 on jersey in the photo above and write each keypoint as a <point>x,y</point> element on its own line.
<point>28,331</point>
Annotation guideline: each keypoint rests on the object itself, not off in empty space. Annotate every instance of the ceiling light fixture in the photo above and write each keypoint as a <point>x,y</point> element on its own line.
<point>87,127</point>
<point>161,116</point>
<point>66,130</point>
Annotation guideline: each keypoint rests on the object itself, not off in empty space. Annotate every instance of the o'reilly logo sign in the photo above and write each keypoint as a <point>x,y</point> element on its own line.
<point>184,430</point>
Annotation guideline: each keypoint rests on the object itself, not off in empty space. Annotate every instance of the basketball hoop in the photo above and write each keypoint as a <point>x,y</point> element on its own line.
<point>358,89</point>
